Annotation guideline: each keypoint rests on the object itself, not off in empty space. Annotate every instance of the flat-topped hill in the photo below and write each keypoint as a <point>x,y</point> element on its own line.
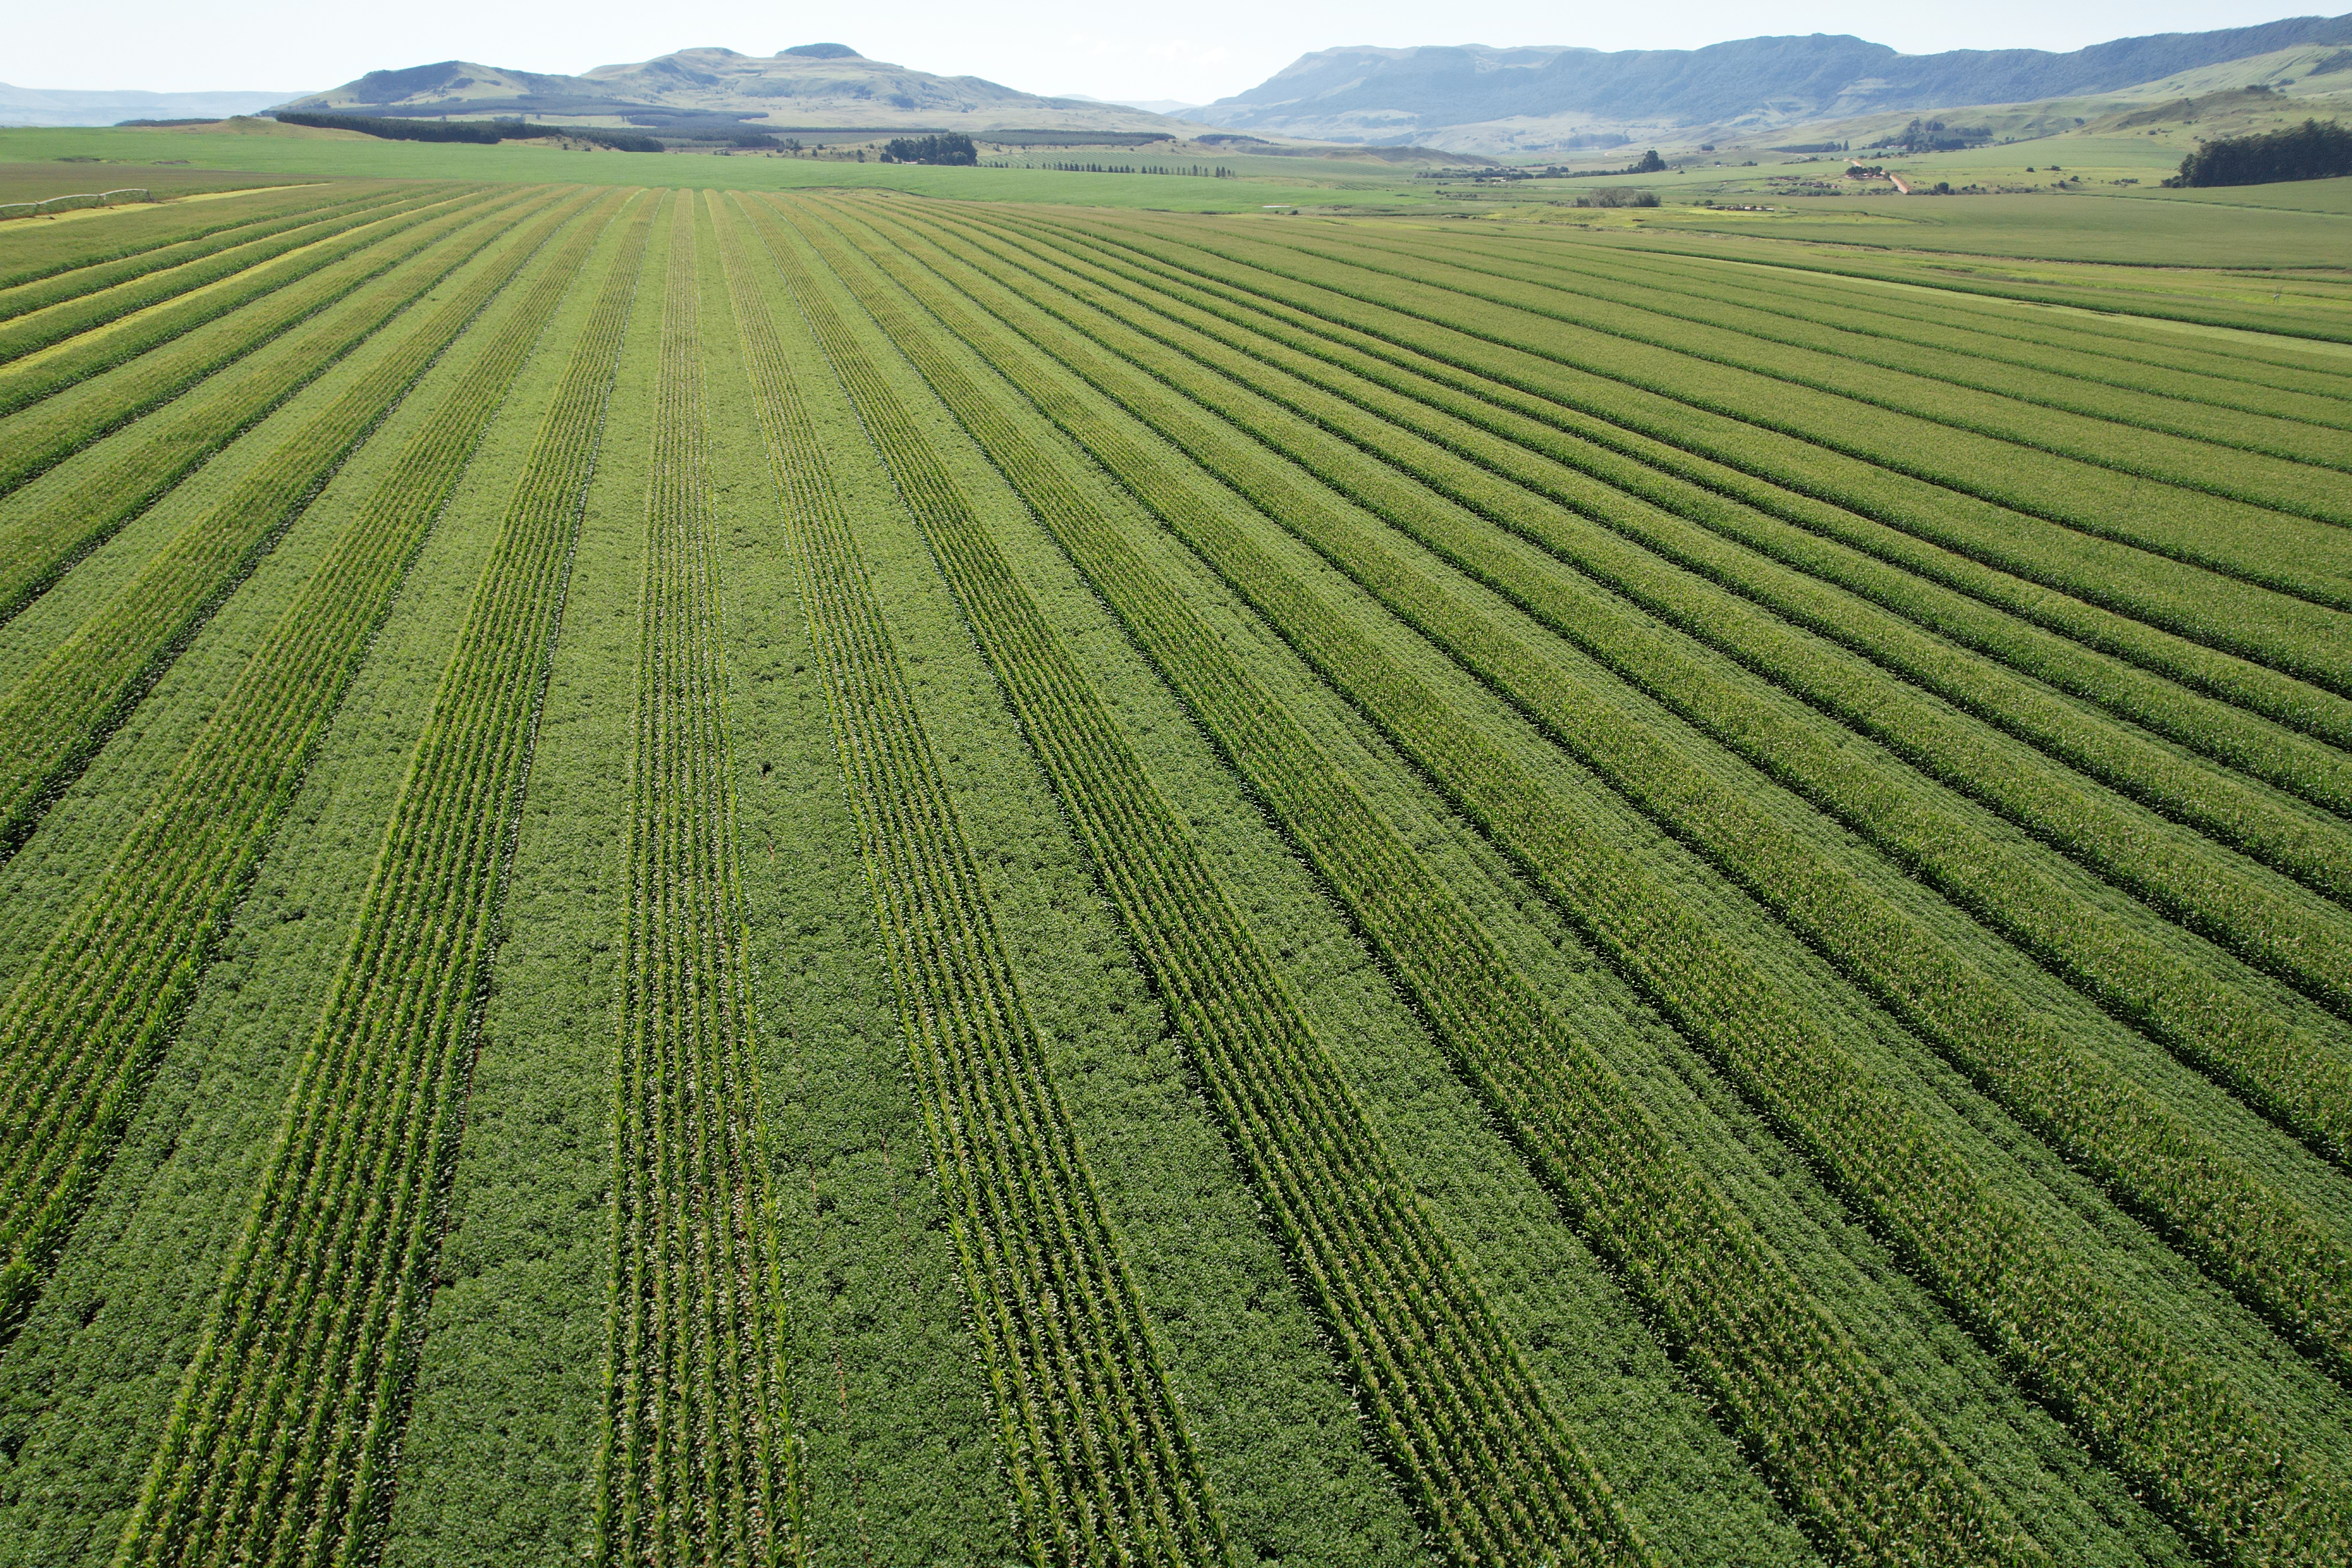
<point>809,86</point>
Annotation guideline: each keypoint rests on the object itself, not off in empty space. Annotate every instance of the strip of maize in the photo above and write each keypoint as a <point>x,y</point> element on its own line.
<point>65,706</point>
<point>1492,1465</point>
<point>82,1028</point>
<point>2215,1454</point>
<point>698,1461</point>
<point>281,1441</point>
<point>1100,1460</point>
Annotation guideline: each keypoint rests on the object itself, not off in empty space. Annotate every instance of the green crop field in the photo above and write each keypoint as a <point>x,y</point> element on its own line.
<point>911,865</point>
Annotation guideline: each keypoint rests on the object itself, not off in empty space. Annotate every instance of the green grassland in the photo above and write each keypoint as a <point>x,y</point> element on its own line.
<point>38,181</point>
<point>767,860</point>
<point>2008,212</point>
<point>2248,233</point>
<point>345,155</point>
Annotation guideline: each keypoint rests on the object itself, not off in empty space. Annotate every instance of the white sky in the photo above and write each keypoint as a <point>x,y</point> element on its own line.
<point>1201,51</point>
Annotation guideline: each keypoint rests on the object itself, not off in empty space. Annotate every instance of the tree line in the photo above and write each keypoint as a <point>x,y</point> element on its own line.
<point>2315,149</point>
<point>393,128</point>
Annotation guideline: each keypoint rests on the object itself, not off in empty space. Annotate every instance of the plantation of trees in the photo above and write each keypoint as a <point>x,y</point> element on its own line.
<point>480,131</point>
<point>702,877</point>
<point>2314,150</point>
<point>950,148</point>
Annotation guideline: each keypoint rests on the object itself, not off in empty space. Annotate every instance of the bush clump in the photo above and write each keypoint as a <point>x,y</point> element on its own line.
<point>1934,136</point>
<point>951,148</point>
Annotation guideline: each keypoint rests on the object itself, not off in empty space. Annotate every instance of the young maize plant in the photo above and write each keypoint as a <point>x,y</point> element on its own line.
<point>81,1030</point>
<point>62,709</point>
<point>1800,1390</point>
<point>1495,1468</point>
<point>699,1463</point>
<point>2223,1456</point>
<point>281,1442</point>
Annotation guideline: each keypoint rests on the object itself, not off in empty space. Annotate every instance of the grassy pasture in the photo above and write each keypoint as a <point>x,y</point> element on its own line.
<point>343,155</point>
<point>38,181</point>
<point>2244,231</point>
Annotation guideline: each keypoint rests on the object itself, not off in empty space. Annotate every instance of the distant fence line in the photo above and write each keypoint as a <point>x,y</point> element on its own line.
<point>1198,171</point>
<point>69,204</point>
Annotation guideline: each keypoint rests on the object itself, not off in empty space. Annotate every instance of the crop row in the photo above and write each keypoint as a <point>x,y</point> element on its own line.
<point>92,1010</point>
<point>1490,1461</point>
<point>1744,561</point>
<point>63,707</point>
<point>1098,1453</point>
<point>2085,650</point>
<point>280,1443</point>
<point>44,532</point>
<point>325,205</point>
<point>2257,360</point>
<point>2108,304</point>
<point>2106,479</point>
<point>93,400</point>
<point>71,364</point>
<point>1890,323</point>
<point>2198,1002</point>
<point>2267,523</point>
<point>2137,429</point>
<point>54,249</point>
<point>2220,1456</point>
<point>2252,361</point>
<point>2302,639</point>
<point>42,328</point>
<point>2268,1247</point>
<point>698,1459</point>
<point>1864,1466</point>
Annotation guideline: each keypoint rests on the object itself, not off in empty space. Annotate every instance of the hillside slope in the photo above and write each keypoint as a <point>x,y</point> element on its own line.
<point>1474,96</point>
<point>811,86</point>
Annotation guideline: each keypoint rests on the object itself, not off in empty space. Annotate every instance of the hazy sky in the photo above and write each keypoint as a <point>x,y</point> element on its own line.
<point>1195,52</point>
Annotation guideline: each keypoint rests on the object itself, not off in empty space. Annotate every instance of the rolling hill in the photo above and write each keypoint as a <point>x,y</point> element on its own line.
<point>41,106</point>
<point>1474,97</point>
<point>812,87</point>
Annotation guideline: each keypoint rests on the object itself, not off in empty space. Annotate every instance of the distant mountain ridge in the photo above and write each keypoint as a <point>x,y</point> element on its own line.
<point>42,106</point>
<point>1383,95</point>
<point>811,86</point>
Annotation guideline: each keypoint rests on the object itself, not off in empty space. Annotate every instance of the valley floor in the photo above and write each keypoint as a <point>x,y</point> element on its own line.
<point>743,876</point>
